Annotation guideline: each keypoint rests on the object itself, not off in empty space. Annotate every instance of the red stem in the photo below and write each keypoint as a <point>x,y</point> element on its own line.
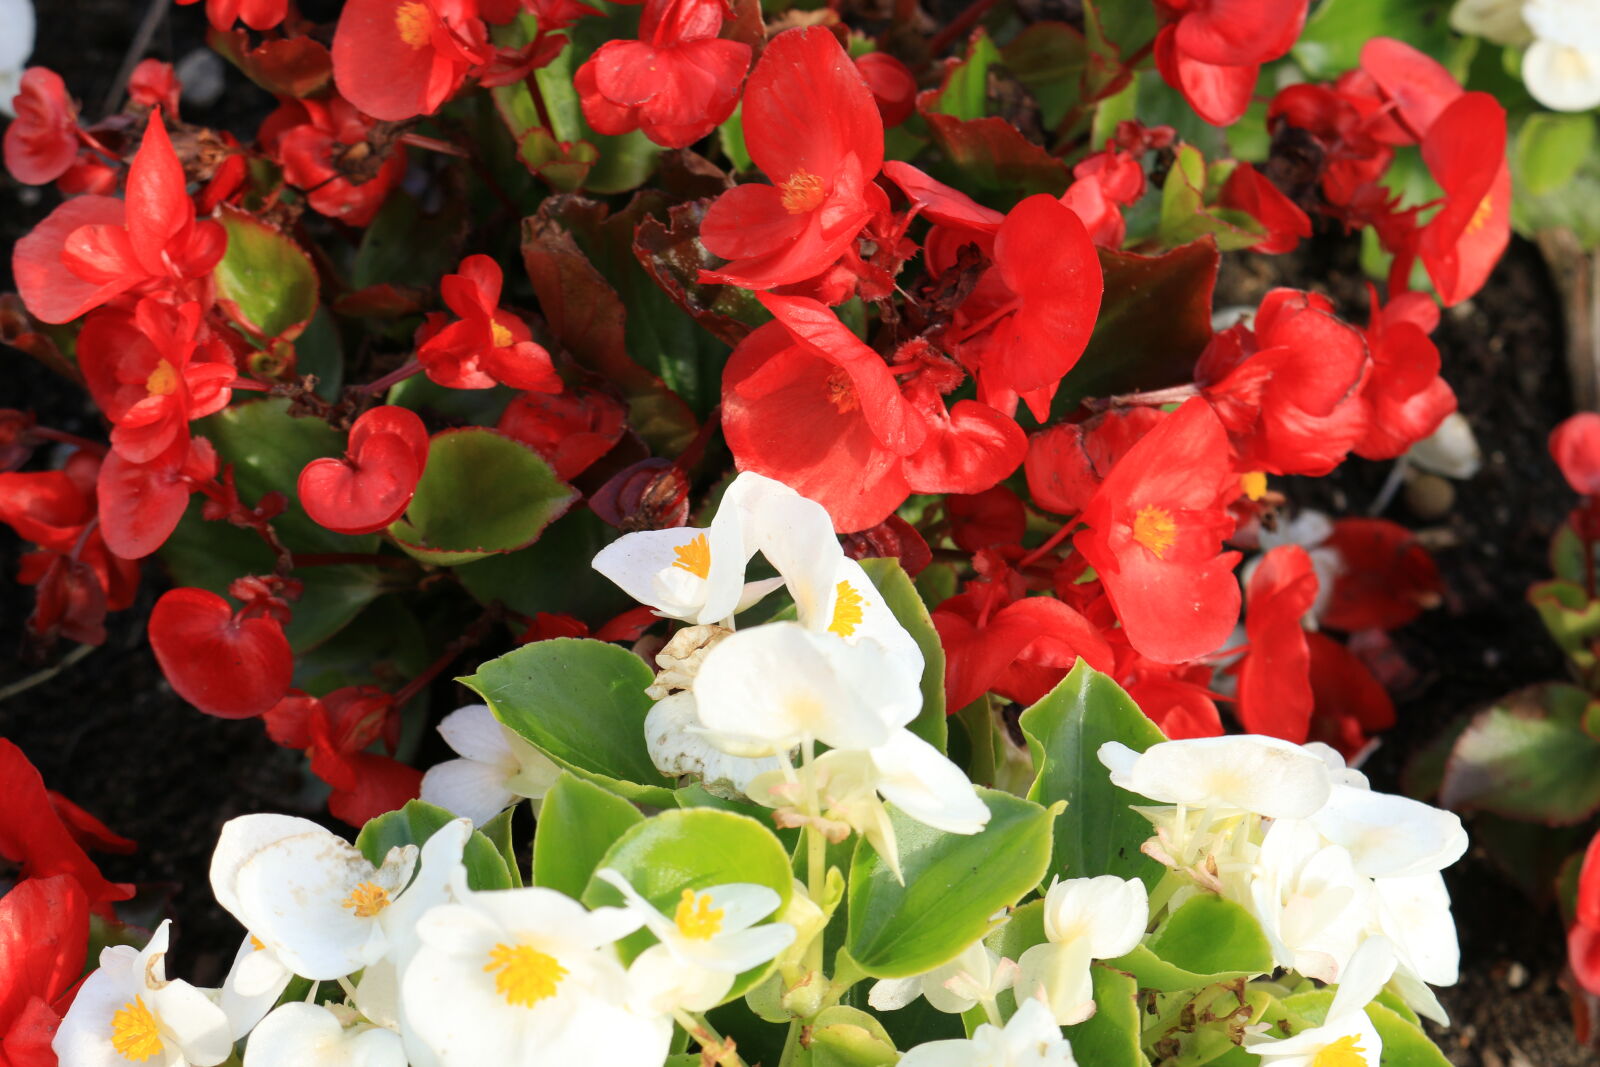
<point>45,433</point>
<point>1055,539</point>
<point>431,144</point>
<point>399,374</point>
<point>333,559</point>
<point>471,636</point>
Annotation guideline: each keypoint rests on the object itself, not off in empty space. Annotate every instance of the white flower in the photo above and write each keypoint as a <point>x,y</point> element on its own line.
<point>711,939</point>
<point>310,1035</point>
<point>1414,913</point>
<point>1347,1037</point>
<point>497,767</point>
<point>1451,450</point>
<point>254,983</point>
<point>1030,1039</point>
<point>129,1011</point>
<point>526,977</point>
<point>16,45</point>
<point>1562,66</point>
<point>1499,21</point>
<point>307,894</point>
<point>1311,903</point>
<point>766,690</point>
<point>1390,836</point>
<point>1084,919</point>
<point>977,975</point>
<point>678,746</point>
<point>1247,773</point>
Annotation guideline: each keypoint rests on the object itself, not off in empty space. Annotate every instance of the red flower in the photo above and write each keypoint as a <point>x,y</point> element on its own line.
<point>1406,398</point>
<point>1212,50</point>
<point>154,84</point>
<point>142,503</point>
<point>570,429</point>
<point>1180,707</point>
<point>983,520</point>
<point>92,248</point>
<point>1155,537</point>
<point>677,82</point>
<point>1067,462</point>
<point>1020,650</point>
<point>227,664</point>
<point>1575,444</point>
<point>325,148</point>
<point>42,141</point>
<point>1104,183</point>
<point>44,939</point>
<point>1274,694</point>
<point>488,346</point>
<point>1385,579</point>
<point>1249,191</point>
<point>1583,939</point>
<point>33,835</point>
<point>1349,704</point>
<point>365,784</point>
<point>812,126</point>
<point>1465,150</point>
<point>257,14</point>
<point>372,484</point>
<point>1419,86</point>
<point>396,59</point>
<point>892,85</point>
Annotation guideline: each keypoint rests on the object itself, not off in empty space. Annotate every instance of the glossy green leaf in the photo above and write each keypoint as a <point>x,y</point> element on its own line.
<point>842,1036</point>
<point>553,574</point>
<point>1209,935</point>
<point>1111,1036</point>
<point>1049,58</point>
<point>481,493</point>
<point>900,595</point>
<point>406,246</point>
<point>1331,42</point>
<point>1572,619</point>
<point>578,822</point>
<point>265,281</point>
<point>965,91</point>
<point>583,704</point>
<point>953,885</point>
<point>499,832</point>
<point>1549,149</point>
<point>1098,833</point>
<point>414,824</point>
<point>1527,757</point>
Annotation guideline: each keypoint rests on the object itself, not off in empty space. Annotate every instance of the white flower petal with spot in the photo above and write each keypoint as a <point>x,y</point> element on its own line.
<point>309,1035</point>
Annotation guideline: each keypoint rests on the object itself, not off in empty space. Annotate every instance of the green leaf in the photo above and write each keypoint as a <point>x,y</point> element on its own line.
<point>414,824</point>
<point>1049,58</point>
<point>900,595</point>
<point>578,822</point>
<point>953,884</point>
<point>583,704</point>
<point>1527,757</point>
<point>1549,150</point>
<point>404,246</point>
<point>1214,939</point>
<point>265,281</point>
<point>1331,42</point>
<point>1404,1043</point>
<point>1098,833</point>
<point>692,849</point>
<point>552,574</point>
<point>965,91</point>
<point>1110,1037</point>
<point>499,832</point>
<point>1571,617</point>
<point>842,1036</point>
<point>481,493</point>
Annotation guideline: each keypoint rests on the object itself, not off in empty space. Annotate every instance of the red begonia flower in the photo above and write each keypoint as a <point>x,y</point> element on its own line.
<point>1351,156</point>
<point>371,485</point>
<point>677,82</point>
<point>257,14</point>
<point>1588,911</point>
<point>983,520</point>
<point>1349,704</point>
<point>892,85</point>
<point>229,665</point>
<point>1385,579</point>
<point>1019,651</point>
<point>1406,398</point>
<point>44,939</point>
<point>1419,85</point>
<point>154,84</point>
<point>812,126</point>
<point>1067,462</point>
<point>365,784</point>
<point>88,831</point>
<point>969,447</point>
<point>1219,93</point>
<point>1575,445</point>
<point>1232,32</point>
<point>1274,694</point>
<point>312,139</point>
<point>1583,939</point>
<point>488,346</point>
<point>42,141</point>
<point>397,59</point>
<point>1181,708</point>
<point>571,429</point>
<point>1155,535</point>
<point>1465,150</point>
<point>142,503</point>
<point>33,836</point>
<point>1250,191</point>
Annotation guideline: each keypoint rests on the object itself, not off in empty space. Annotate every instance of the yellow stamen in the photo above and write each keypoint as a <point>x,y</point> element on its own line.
<point>255,943</point>
<point>846,611</point>
<point>414,22</point>
<point>696,918</point>
<point>502,336</point>
<point>802,192</point>
<point>1342,1053</point>
<point>134,1033</point>
<point>366,900</point>
<point>1480,214</point>
<point>163,381</point>
<point>842,392</point>
<point>1154,529</point>
<point>694,557</point>
<point>526,976</point>
<point>1254,484</point>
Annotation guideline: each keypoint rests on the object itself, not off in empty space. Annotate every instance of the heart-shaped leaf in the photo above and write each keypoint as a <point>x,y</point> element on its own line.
<point>228,667</point>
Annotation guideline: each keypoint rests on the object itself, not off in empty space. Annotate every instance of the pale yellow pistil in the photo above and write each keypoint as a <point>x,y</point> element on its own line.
<point>134,1033</point>
<point>526,975</point>
<point>847,611</point>
<point>694,557</point>
<point>414,22</point>
<point>1342,1053</point>
<point>366,900</point>
<point>1154,529</point>
<point>696,918</point>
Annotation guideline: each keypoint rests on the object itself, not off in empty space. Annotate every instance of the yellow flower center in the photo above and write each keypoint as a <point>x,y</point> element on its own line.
<point>1154,529</point>
<point>366,900</point>
<point>1342,1053</point>
<point>842,392</point>
<point>694,557</point>
<point>163,381</point>
<point>133,1031</point>
<point>1254,484</point>
<point>846,611</point>
<point>502,336</point>
<point>802,192</point>
<point>526,976</point>
<point>1480,214</point>
<point>255,943</point>
<point>696,918</point>
<point>414,22</point>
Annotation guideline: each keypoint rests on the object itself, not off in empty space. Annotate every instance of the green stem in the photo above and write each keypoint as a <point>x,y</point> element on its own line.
<point>696,1026</point>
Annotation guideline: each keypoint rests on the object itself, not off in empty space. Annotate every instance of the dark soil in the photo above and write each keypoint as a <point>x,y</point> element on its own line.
<point>109,732</point>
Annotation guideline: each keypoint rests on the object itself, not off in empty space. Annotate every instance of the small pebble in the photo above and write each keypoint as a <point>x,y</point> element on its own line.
<point>203,76</point>
<point>1430,497</point>
<point>1516,976</point>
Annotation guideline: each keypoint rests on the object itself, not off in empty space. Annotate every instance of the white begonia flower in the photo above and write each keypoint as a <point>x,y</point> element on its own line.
<point>1247,773</point>
<point>497,767</point>
<point>678,746</point>
<point>975,976</point>
<point>689,573</point>
<point>129,1011</point>
<point>1414,913</point>
<point>311,897</point>
<point>16,45</point>
<point>1562,66</point>
<point>710,939</point>
<point>1347,1037</point>
<point>1390,836</point>
<point>526,977</point>
<point>254,983</point>
<point>766,690</point>
<point>1030,1039</point>
<point>1084,919</point>
<point>1311,903</point>
<point>1450,451</point>
<point>311,1035</point>
<point>1499,21</point>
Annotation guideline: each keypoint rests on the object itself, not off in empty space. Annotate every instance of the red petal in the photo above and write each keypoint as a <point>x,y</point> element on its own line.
<point>44,937</point>
<point>51,291</point>
<point>806,107</point>
<point>391,418</point>
<point>1218,94</point>
<point>1238,32</point>
<point>158,203</point>
<point>1420,86</point>
<point>231,668</point>
<point>1274,695</point>
<point>1575,445</point>
<point>140,503</point>
<point>365,492</point>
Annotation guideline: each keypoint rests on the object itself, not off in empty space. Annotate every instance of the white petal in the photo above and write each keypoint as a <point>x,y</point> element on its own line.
<point>677,747</point>
<point>916,778</point>
<point>1562,78</point>
<point>242,838</point>
<point>84,1037</point>
<point>475,733</point>
<point>1391,836</point>
<point>254,983</point>
<point>1247,773</point>
<point>648,567</point>
<point>1414,913</point>
<point>659,982</point>
<point>1107,912</point>
<point>892,994</point>
<point>310,1035</point>
<point>468,788</point>
<point>1058,975</point>
<point>1364,978</point>
<point>193,1022</point>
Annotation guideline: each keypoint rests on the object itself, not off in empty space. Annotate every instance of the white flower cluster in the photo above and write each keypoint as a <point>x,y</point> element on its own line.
<point>1344,881</point>
<point>1561,66</point>
<point>734,708</point>
<point>430,972</point>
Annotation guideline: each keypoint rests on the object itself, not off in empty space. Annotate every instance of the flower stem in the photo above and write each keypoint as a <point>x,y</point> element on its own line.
<point>719,1049</point>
